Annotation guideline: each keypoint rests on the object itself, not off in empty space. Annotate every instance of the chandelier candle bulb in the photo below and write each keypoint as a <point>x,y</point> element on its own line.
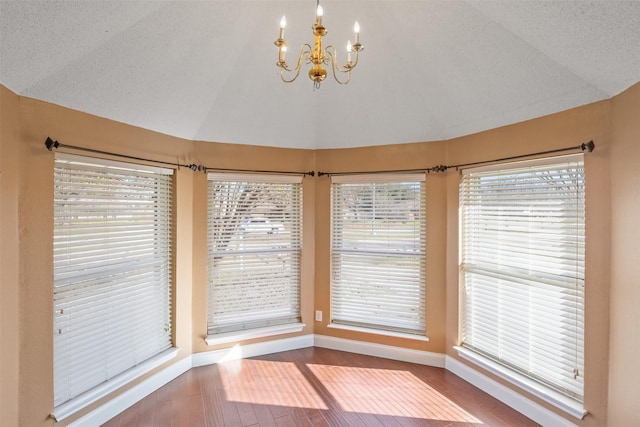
<point>349,52</point>
<point>283,23</point>
<point>283,51</point>
<point>356,31</point>
<point>319,13</point>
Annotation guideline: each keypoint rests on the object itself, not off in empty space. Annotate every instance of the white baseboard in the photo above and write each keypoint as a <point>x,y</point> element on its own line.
<point>251,350</point>
<point>525,406</point>
<point>118,404</point>
<point>380,350</point>
<point>267,331</point>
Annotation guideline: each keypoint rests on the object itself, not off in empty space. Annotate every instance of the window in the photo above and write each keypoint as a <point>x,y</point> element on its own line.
<point>112,271</point>
<point>254,242</point>
<point>378,253</point>
<point>522,269</point>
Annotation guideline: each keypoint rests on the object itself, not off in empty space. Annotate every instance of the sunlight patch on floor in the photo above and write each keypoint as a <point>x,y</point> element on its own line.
<point>268,383</point>
<point>388,392</point>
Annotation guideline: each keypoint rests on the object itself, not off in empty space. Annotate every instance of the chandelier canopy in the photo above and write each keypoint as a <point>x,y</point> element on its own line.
<point>317,56</point>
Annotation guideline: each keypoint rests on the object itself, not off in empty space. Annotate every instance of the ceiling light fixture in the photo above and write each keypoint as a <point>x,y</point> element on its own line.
<point>317,56</point>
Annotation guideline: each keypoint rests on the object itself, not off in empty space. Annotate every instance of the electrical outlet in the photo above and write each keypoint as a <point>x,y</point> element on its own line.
<point>318,315</point>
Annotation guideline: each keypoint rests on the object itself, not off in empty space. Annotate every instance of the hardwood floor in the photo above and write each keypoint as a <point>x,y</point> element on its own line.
<point>318,387</point>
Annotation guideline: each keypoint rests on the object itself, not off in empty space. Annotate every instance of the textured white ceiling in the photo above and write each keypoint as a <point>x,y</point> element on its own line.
<point>431,70</point>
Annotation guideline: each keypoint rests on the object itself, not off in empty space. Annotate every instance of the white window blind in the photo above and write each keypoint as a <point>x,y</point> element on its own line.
<point>378,252</point>
<point>522,268</point>
<point>254,251</point>
<point>112,270</point>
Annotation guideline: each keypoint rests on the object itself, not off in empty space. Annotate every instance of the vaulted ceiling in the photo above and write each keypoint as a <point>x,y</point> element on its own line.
<point>431,70</point>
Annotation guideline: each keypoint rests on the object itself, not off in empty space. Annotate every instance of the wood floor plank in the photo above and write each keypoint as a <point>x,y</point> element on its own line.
<point>286,421</point>
<point>211,406</point>
<point>146,411</point>
<point>247,414</point>
<point>318,387</point>
<point>130,416</point>
<point>195,412</point>
<point>192,383</point>
<point>317,420</point>
<point>264,416</point>
<point>163,414</point>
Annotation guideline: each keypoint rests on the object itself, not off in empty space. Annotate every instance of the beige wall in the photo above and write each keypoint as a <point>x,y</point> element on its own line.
<point>624,340</point>
<point>26,213</point>
<point>9,289</point>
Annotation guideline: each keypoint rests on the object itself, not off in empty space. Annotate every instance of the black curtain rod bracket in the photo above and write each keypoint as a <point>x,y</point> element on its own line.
<point>51,144</point>
<point>588,146</point>
<point>198,168</point>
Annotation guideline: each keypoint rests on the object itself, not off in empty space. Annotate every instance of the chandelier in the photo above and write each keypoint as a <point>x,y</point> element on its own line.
<point>318,57</point>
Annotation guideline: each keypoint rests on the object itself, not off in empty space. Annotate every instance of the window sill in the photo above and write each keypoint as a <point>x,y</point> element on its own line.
<point>378,332</point>
<point>267,331</point>
<point>72,406</point>
<point>558,400</point>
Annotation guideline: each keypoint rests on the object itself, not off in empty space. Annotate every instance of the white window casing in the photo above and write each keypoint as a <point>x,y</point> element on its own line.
<point>378,253</point>
<point>112,272</point>
<point>254,255</point>
<point>522,259</point>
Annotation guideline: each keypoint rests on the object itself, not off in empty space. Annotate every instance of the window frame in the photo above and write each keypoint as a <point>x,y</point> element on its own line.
<point>480,354</point>
<point>344,320</point>
<point>79,194</point>
<point>256,232</point>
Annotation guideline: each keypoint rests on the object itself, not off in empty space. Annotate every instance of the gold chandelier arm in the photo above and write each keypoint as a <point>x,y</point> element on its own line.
<point>354,63</point>
<point>330,51</point>
<point>350,65</point>
<point>305,50</point>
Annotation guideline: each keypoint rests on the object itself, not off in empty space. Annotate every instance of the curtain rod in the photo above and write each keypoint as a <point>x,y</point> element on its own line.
<point>208,169</point>
<point>587,146</point>
<point>51,144</point>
